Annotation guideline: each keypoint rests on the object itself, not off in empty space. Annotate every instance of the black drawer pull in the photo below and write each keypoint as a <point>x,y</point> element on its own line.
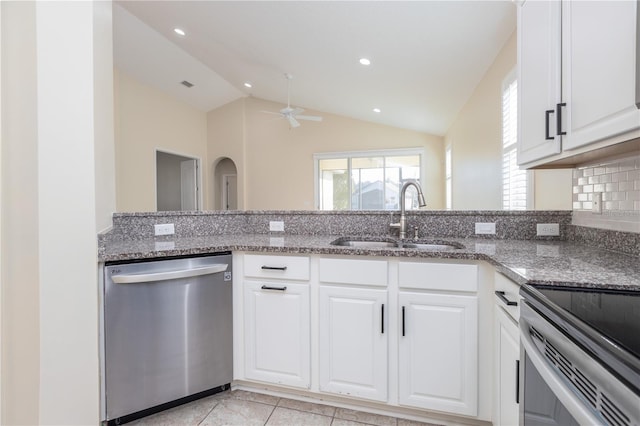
<point>546,124</point>
<point>508,302</point>
<point>267,287</point>
<point>403,321</point>
<point>517,381</point>
<point>559,131</point>
<point>274,268</point>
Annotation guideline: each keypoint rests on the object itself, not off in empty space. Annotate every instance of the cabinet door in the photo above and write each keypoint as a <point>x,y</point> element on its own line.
<point>277,341</point>
<point>539,79</point>
<point>438,352</point>
<point>507,368</point>
<point>353,342</point>
<point>599,70</point>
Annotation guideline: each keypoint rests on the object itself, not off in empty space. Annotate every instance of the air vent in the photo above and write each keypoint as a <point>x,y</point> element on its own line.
<point>185,83</point>
<point>591,392</point>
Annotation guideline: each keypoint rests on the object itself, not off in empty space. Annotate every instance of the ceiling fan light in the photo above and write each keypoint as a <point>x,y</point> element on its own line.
<point>365,61</point>
<point>179,31</point>
<point>248,85</point>
<point>377,110</point>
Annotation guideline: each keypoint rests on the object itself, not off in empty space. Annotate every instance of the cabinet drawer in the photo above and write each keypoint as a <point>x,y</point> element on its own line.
<point>511,293</point>
<point>349,271</point>
<point>277,267</point>
<point>438,276</point>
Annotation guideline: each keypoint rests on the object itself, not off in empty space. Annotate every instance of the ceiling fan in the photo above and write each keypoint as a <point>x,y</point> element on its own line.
<point>293,114</point>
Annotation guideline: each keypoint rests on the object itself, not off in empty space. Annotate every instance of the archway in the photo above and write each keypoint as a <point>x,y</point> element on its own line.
<point>225,184</point>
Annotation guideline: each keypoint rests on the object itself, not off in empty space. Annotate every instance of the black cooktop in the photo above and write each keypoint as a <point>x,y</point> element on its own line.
<point>614,314</point>
<point>604,323</point>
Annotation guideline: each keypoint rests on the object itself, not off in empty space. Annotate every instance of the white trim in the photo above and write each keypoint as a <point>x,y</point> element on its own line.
<point>422,152</point>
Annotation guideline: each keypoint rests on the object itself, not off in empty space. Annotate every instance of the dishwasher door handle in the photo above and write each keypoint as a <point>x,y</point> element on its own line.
<point>168,275</point>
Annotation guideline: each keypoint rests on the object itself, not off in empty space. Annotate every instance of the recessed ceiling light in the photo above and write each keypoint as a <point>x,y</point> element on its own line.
<point>376,110</point>
<point>248,85</point>
<point>179,31</point>
<point>365,61</point>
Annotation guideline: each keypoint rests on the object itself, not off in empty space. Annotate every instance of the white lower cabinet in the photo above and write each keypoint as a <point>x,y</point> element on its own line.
<point>397,332</point>
<point>353,342</point>
<point>438,352</point>
<point>277,333</point>
<point>507,354</point>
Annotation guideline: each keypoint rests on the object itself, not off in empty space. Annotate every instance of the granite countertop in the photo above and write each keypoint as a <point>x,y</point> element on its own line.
<point>524,261</point>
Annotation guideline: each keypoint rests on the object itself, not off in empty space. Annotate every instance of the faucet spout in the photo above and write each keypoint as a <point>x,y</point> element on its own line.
<point>402,225</point>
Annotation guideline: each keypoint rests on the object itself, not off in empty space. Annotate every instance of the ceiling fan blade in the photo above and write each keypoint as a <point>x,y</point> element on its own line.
<point>272,112</point>
<point>293,122</point>
<point>297,110</point>
<point>309,117</point>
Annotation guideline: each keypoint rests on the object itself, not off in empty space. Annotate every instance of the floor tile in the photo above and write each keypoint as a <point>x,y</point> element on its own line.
<point>236,412</point>
<point>403,422</point>
<point>255,397</point>
<point>287,417</point>
<point>188,414</point>
<point>362,417</point>
<point>342,422</point>
<point>325,410</point>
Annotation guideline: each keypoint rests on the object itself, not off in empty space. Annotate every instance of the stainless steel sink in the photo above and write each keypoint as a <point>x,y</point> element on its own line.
<point>434,245</point>
<point>382,242</point>
<point>364,243</point>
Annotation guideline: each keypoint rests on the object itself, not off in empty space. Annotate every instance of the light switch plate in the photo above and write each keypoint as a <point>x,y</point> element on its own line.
<point>165,229</point>
<point>486,228</point>
<point>548,229</point>
<point>276,226</point>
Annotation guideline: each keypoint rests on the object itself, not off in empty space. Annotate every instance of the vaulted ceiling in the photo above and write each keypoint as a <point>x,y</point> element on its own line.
<point>426,57</point>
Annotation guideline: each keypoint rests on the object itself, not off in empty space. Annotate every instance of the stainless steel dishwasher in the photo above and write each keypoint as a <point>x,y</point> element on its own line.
<point>168,334</point>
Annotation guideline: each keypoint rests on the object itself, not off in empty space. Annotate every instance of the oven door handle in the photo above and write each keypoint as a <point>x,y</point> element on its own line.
<point>565,395</point>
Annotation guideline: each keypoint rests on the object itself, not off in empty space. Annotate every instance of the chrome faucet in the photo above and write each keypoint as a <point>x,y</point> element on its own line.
<point>402,225</point>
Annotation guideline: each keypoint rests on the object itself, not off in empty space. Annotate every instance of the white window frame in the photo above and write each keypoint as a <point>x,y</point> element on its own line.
<point>529,197</point>
<point>421,152</point>
<point>448,177</point>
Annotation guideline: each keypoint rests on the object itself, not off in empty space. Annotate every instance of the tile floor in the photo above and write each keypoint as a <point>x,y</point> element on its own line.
<point>244,408</point>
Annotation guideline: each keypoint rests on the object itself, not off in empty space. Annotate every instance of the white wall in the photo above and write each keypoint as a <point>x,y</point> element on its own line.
<point>277,162</point>
<point>476,148</point>
<point>146,120</point>
<point>56,81</point>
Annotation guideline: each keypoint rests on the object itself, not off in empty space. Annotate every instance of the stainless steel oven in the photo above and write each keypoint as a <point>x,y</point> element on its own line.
<point>580,353</point>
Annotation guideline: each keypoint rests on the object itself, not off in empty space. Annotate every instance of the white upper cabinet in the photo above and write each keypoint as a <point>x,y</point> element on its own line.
<point>578,79</point>
<point>599,70</point>
<point>539,79</point>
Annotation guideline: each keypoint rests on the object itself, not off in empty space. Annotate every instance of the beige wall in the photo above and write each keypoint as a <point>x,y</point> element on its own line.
<point>53,96</point>
<point>226,139</point>
<point>146,120</point>
<point>277,163</point>
<point>475,138</point>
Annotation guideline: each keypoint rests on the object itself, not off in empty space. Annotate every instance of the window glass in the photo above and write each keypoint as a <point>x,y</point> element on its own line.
<point>358,181</point>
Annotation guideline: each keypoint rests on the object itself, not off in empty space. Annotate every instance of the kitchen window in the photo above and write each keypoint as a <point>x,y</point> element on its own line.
<point>366,180</point>
<point>514,180</point>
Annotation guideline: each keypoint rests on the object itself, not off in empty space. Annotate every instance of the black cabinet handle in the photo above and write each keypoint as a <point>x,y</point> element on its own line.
<point>403,321</point>
<point>507,302</point>
<point>267,287</point>
<point>547,114</point>
<point>274,268</point>
<point>559,131</point>
<point>382,321</point>
<point>517,381</point>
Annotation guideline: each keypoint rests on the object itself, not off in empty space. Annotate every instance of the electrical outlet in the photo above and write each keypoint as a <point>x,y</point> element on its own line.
<point>548,229</point>
<point>596,206</point>
<point>165,229</point>
<point>486,228</point>
<point>276,226</point>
